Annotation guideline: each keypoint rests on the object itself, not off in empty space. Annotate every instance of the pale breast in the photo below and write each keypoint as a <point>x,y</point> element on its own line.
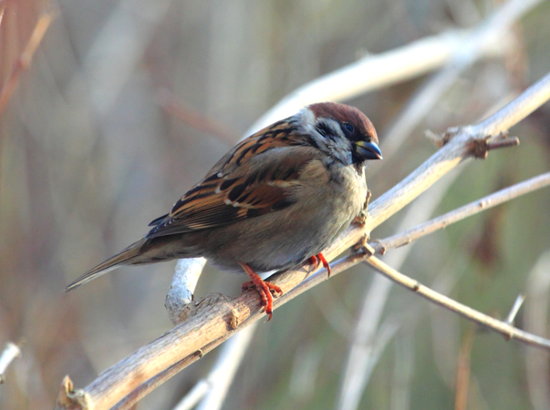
<point>326,203</point>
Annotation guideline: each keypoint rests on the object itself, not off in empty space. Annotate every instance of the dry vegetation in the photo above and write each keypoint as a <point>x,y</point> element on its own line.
<point>110,111</point>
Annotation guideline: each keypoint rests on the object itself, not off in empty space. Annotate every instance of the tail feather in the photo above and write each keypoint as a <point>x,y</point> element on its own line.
<point>126,257</point>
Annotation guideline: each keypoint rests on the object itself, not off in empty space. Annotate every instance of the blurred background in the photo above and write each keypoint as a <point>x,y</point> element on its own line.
<point>126,104</point>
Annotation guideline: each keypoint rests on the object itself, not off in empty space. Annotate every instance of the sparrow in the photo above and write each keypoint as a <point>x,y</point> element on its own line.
<point>273,202</point>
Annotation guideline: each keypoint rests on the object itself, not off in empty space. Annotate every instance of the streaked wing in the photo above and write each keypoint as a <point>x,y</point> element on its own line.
<point>246,183</point>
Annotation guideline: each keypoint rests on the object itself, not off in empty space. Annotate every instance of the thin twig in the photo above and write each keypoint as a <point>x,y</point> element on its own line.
<point>356,372</point>
<point>499,326</point>
<point>515,309</point>
<point>361,360</point>
<point>494,27</point>
<point>479,205</point>
<point>457,150</point>
<point>219,378</point>
<point>377,71</point>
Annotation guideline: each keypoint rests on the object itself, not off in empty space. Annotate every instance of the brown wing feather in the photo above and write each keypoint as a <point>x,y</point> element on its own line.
<point>244,184</point>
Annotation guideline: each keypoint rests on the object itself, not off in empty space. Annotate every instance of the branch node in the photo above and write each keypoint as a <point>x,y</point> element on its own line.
<point>233,319</point>
<point>442,139</point>
<point>362,248</point>
<point>199,305</point>
<point>379,247</point>
<point>480,147</point>
<point>437,139</point>
<point>69,398</point>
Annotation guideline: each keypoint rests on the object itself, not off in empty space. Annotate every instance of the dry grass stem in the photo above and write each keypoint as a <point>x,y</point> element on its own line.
<point>24,61</point>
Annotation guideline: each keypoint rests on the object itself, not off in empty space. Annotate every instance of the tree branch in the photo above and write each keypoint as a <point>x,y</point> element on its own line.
<point>441,222</point>
<point>214,319</point>
<point>499,326</point>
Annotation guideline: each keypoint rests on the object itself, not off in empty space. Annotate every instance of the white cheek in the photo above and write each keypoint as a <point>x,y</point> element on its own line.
<point>342,149</point>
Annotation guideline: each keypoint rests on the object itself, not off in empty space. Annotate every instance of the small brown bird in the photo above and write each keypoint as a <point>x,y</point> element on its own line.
<point>276,200</point>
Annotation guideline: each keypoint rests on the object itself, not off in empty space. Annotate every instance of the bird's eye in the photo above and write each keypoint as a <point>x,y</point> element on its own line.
<point>348,128</point>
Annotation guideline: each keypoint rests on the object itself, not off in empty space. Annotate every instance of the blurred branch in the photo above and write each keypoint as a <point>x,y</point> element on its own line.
<point>463,371</point>
<point>377,71</point>
<point>7,356</point>
<point>441,222</point>
<point>105,69</point>
<point>216,318</point>
<point>536,317</point>
<point>24,61</point>
<point>220,377</point>
<point>496,28</point>
<point>459,144</point>
<point>361,359</point>
<point>403,373</point>
<point>193,118</point>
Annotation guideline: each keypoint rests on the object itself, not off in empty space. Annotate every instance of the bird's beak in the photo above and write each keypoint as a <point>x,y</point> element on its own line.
<point>368,150</point>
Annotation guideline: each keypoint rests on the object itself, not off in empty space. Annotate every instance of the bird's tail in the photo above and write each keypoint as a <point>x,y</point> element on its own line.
<point>128,256</point>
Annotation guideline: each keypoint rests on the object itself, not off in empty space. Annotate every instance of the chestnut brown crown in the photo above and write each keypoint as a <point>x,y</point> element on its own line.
<point>345,129</point>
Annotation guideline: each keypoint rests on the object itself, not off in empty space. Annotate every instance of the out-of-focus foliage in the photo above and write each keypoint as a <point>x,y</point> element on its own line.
<point>91,150</point>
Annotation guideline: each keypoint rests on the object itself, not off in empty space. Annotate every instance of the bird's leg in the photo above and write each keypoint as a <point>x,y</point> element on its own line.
<point>262,287</point>
<point>315,260</point>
